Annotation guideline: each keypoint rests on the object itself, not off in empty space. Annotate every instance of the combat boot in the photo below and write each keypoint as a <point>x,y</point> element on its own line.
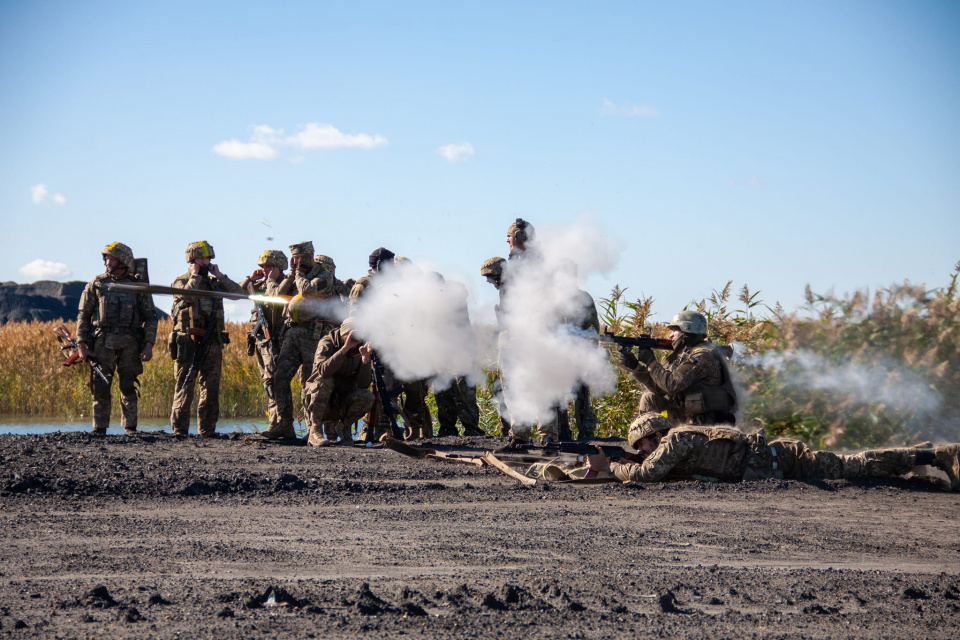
<point>316,439</point>
<point>130,431</point>
<point>279,432</point>
<point>98,431</point>
<point>948,460</point>
<point>345,433</point>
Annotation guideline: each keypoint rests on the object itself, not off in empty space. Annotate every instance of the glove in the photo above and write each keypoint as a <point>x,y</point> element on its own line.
<point>626,359</point>
<point>646,356</point>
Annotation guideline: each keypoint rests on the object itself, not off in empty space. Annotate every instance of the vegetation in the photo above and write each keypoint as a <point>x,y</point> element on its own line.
<point>846,372</point>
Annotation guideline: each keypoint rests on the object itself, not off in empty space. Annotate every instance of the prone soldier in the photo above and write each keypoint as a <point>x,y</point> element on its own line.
<point>118,328</point>
<point>197,339</point>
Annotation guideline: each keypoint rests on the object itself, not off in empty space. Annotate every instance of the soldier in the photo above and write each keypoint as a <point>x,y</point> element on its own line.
<point>340,288</point>
<point>693,385</point>
<point>267,280</point>
<point>414,408</point>
<point>587,320</point>
<point>338,390</point>
<point>459,399</point>
<point>308,319</point>
<point>197,341</point>
<point>727,455</point>
<point>119,329</point>
<point>492,270</point>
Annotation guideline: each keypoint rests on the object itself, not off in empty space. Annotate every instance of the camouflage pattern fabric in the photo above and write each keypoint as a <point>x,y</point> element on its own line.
<point>338,390</point>
<point>797,461</point>
<point>583,413</point>
<point>459,400</point>
<point>266,361</point>
<point>296,354</point>
<point>206,314</point>
<point>687,373</point>
<point>109,321</point>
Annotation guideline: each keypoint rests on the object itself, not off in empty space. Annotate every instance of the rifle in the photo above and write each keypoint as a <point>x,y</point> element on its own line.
<point>386,397</point>
<point>199,350</point>
<point>643,341</point>
<point>260,326</point>
<point>585,449</point>
<point>68,342</point>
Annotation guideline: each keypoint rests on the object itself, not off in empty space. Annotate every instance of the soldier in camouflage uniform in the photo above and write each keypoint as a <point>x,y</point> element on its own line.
<point>310,316</point>
<point>119,329</point>
<point>340,288</point>
<point>198,324</point>
<point>267,280</point>
<point>588,321</point>
<point>727,455</point>
<point>694,384</point>
<point>492,270</point>
<point>414,408</point>
<point>459,399</point>
<point>338,391</point>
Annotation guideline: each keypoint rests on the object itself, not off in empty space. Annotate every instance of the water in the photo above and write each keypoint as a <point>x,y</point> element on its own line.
<point>29,425</point>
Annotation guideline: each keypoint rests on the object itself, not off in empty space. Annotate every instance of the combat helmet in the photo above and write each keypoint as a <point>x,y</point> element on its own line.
<point>326,262</point>
<point>121,252</point>
<point>689,322</point>
<point>273,258</point>
<point>645,426</point>
<point>521,231</point>
<point>200,249</point>
<point>492,267</point>
<point>301,248</point>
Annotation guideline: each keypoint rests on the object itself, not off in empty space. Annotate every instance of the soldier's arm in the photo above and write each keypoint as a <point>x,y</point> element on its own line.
<point>695,368</point>
<point>320,284</point>
<point>88,304</point>
<point>329,358</point>
<point>228,285</point>
<point>148,315</point>
<point>673,449</point>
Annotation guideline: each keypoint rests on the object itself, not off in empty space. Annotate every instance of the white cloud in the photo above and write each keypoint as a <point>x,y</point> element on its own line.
<point>237,150</point>
<point>45,270</point>
<point>265,141</point>
<point>41,195</point>
<point>630,110</point>
<point>457,151</point>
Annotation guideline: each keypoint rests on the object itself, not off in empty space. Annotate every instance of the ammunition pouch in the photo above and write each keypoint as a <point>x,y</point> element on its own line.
<point>707,399</point>
<point>251,344</point>
<point>172,345</point>
<point>761,459</point>
<point>186,346</point>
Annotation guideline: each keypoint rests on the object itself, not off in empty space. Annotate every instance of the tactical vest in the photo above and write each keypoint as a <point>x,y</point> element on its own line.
<point>723,456</point>
<point>193,312</point>
<point>117,310</point>
<point>704,398</point>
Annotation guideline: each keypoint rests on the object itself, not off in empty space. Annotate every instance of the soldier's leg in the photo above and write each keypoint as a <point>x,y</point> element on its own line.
<point>265,365</point>
<point>102,398</point>
<point>446,411</point>
<point>183,388</point>
<point>947,459</point>
<point>416,410</point>
<point>129,368</point>
<point>208,403</point>
<point>467,408</point>
<point>496,390</point>
<point>651,402</point>
<point>287,364</point>
<point>548,425</point>
<point>584,414</point>
<point>350,408</point>
<point>317,404</point>
<point>308,348</point>
<point>382,425</point>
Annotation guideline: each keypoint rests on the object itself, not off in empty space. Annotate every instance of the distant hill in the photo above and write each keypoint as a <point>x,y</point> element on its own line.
<point>41,301</point>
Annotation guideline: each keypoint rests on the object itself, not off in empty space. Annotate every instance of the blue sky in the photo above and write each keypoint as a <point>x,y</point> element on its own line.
<point>771,143</point>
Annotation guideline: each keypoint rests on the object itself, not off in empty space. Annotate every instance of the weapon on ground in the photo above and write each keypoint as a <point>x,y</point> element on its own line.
<point>68,342</point>
<point>386,397</point>
<point>199,351</point>
<point>644,341</point>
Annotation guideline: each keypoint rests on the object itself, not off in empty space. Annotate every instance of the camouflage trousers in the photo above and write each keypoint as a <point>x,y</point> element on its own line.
<point>584,414</point>
<point>459,400</point>
<point>675,413</point>
<point>413,409</point>
<point>117,353</point>
<point>336,411</point>
<point>267,367</point>
<point>797,461</point>
<point>207,376</point>
<point>296,352</point>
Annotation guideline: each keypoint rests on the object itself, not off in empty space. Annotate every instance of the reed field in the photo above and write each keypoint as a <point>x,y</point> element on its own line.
<point>842,372</point>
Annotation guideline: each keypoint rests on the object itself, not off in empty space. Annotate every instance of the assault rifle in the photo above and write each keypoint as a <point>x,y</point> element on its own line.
<point>386,397</point>
<point>68,342</point>
<point>199,350</point>
<point>643,341</point>
<point>585,449</point>
<point>260,326</point>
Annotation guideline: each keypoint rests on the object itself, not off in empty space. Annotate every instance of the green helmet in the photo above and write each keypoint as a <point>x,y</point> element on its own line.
<point>689,322</point>
<point>200,249</point>
<point>492,267</point>
<point>645,426</point>
<point>121,252</point>
<point>273,258</point>
<point>326,262</point>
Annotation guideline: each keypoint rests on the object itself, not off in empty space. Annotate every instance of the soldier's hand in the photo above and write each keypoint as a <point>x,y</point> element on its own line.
<point>626,359</point>
<point>349,342</point>
<point>84,350</point>
<point>215,270</point>
<point>258,274</point>
<point>646,356</point>
<point>366,352</point>
<point>147,353</point>
<point>598,461</point>
<point>294,262</point>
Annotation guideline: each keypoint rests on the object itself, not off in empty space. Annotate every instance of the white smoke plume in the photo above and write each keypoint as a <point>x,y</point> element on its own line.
<point>419,325</point>
<point>884,383</point>
<point>544,354</point>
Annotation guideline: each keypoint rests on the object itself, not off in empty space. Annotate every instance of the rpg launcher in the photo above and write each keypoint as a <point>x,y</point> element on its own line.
<point>142,287</point>
<point>69,343</point>
<point>644,341</point>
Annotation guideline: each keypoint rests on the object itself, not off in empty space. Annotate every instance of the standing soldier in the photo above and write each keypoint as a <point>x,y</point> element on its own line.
<point>264,338</point>
<point>118,328</point>
<point>307,321</point>
<point>492,270</point>
<point>197,341</point>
